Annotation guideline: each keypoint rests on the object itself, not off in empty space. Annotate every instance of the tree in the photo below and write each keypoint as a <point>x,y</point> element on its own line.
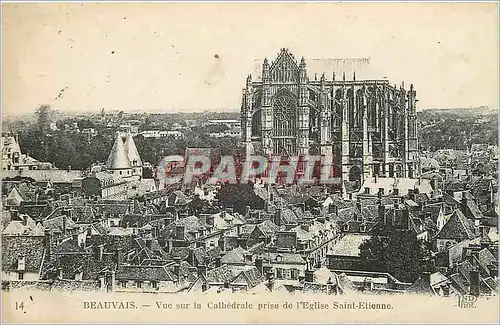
<point>239,196</point>
<point>399,253</point>
<point>44,114</point>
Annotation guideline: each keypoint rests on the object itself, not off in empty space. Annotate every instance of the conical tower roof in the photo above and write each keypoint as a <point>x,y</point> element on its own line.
<point>132,152</point>
<point>118,156</point>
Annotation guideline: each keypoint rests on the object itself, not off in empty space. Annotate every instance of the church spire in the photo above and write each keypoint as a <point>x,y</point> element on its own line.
<point>132,152</point>
<point>118,158</point>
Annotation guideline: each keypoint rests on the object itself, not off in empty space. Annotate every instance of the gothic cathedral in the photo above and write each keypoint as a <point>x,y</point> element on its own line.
<point>367,126</point>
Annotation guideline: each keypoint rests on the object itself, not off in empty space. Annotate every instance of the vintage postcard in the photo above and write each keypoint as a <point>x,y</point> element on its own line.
<point>239,162</point>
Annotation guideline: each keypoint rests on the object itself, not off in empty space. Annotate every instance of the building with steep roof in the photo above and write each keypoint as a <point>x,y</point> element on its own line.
<point>133,156</point>
<point>367,125</point>
<point>118,162</point>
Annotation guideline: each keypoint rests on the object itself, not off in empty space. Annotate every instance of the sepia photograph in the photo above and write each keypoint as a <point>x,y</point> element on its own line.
<point>250,162</point>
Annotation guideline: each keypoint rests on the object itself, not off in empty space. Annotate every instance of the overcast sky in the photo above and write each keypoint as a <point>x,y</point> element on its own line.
<point>196,56</point>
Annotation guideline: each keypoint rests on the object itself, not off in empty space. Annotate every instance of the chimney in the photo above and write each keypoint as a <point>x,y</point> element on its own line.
<point>270,279</point>
<point>100,252</point>
<point>149,241</point>
<point>474,283</point>
<point>247,211</point>
<point>177,266</point>
<point>203,218</point>
<point>259,264</point>
<point>202,270</point>
<point>75,239</point>
<point>119,257</point>
<point>242,242</point>
<point>218,261</point>
<point>48,243</point>
<point>368,284</point>
<point>60,274</point>
<point>25,220</point>
<point>463,204</point>
<point>110,281</point>
<point>14,213</point>
<point>210,220</point>
<point>179,232</point>
<point>271,197</point>
<point>277,217</point>
<point>64,225</point>
<point>222,243</point>
<point>305,226</point>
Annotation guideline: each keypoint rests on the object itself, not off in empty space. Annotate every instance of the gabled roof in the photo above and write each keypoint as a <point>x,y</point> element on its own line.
<point>144,273</point>
<point>458,227</point>
<point>118,158</point>
<point>17,228</point>
<point>422,287</point>
<point>349,245</point>
<point>14,198</point>
<point>131,150</point>
<point>283,258</point>
<point>251,276</point>
<point>235,256</point>
<point>219,275</point>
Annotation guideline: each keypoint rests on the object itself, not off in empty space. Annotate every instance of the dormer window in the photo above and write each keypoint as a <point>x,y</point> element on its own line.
<point>362,228</point>
<point>21,263</point>
<point>346,227</point>
<point>279,258</point>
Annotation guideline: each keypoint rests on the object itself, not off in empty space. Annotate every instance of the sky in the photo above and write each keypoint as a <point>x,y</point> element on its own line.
<point>188,57</point>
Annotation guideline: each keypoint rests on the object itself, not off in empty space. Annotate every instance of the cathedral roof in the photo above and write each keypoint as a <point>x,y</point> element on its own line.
<point>329,66</point>
<point>118,158</point>
<point>132,152</point>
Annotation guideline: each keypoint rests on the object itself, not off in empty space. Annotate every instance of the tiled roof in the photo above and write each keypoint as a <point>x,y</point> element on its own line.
<point>56,224</point>
<point>14,198</point>
<point>422,287</point>
<point>219,275</point>
<point>17,228</point>
<point>252,275</point>
<point>283,258</point>
<point>68,247</point>
<point>458,227</point>
<point>302,234</point>
<point>348,245</point>
<point>144,273</point>
<point>268,227</point>
<point>31,247</point>
<point>235,256</point>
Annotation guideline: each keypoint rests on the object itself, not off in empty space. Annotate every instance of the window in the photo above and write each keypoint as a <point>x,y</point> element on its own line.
<point>346,227</point>
<point>279,273</point>
<point>20,275</point>
<point>139,284</point>
<point>154,284</point>
<point>294,274</point>
<point>362,228</point>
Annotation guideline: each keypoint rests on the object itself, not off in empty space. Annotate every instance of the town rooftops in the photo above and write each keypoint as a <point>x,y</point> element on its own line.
<point>349,245</point>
